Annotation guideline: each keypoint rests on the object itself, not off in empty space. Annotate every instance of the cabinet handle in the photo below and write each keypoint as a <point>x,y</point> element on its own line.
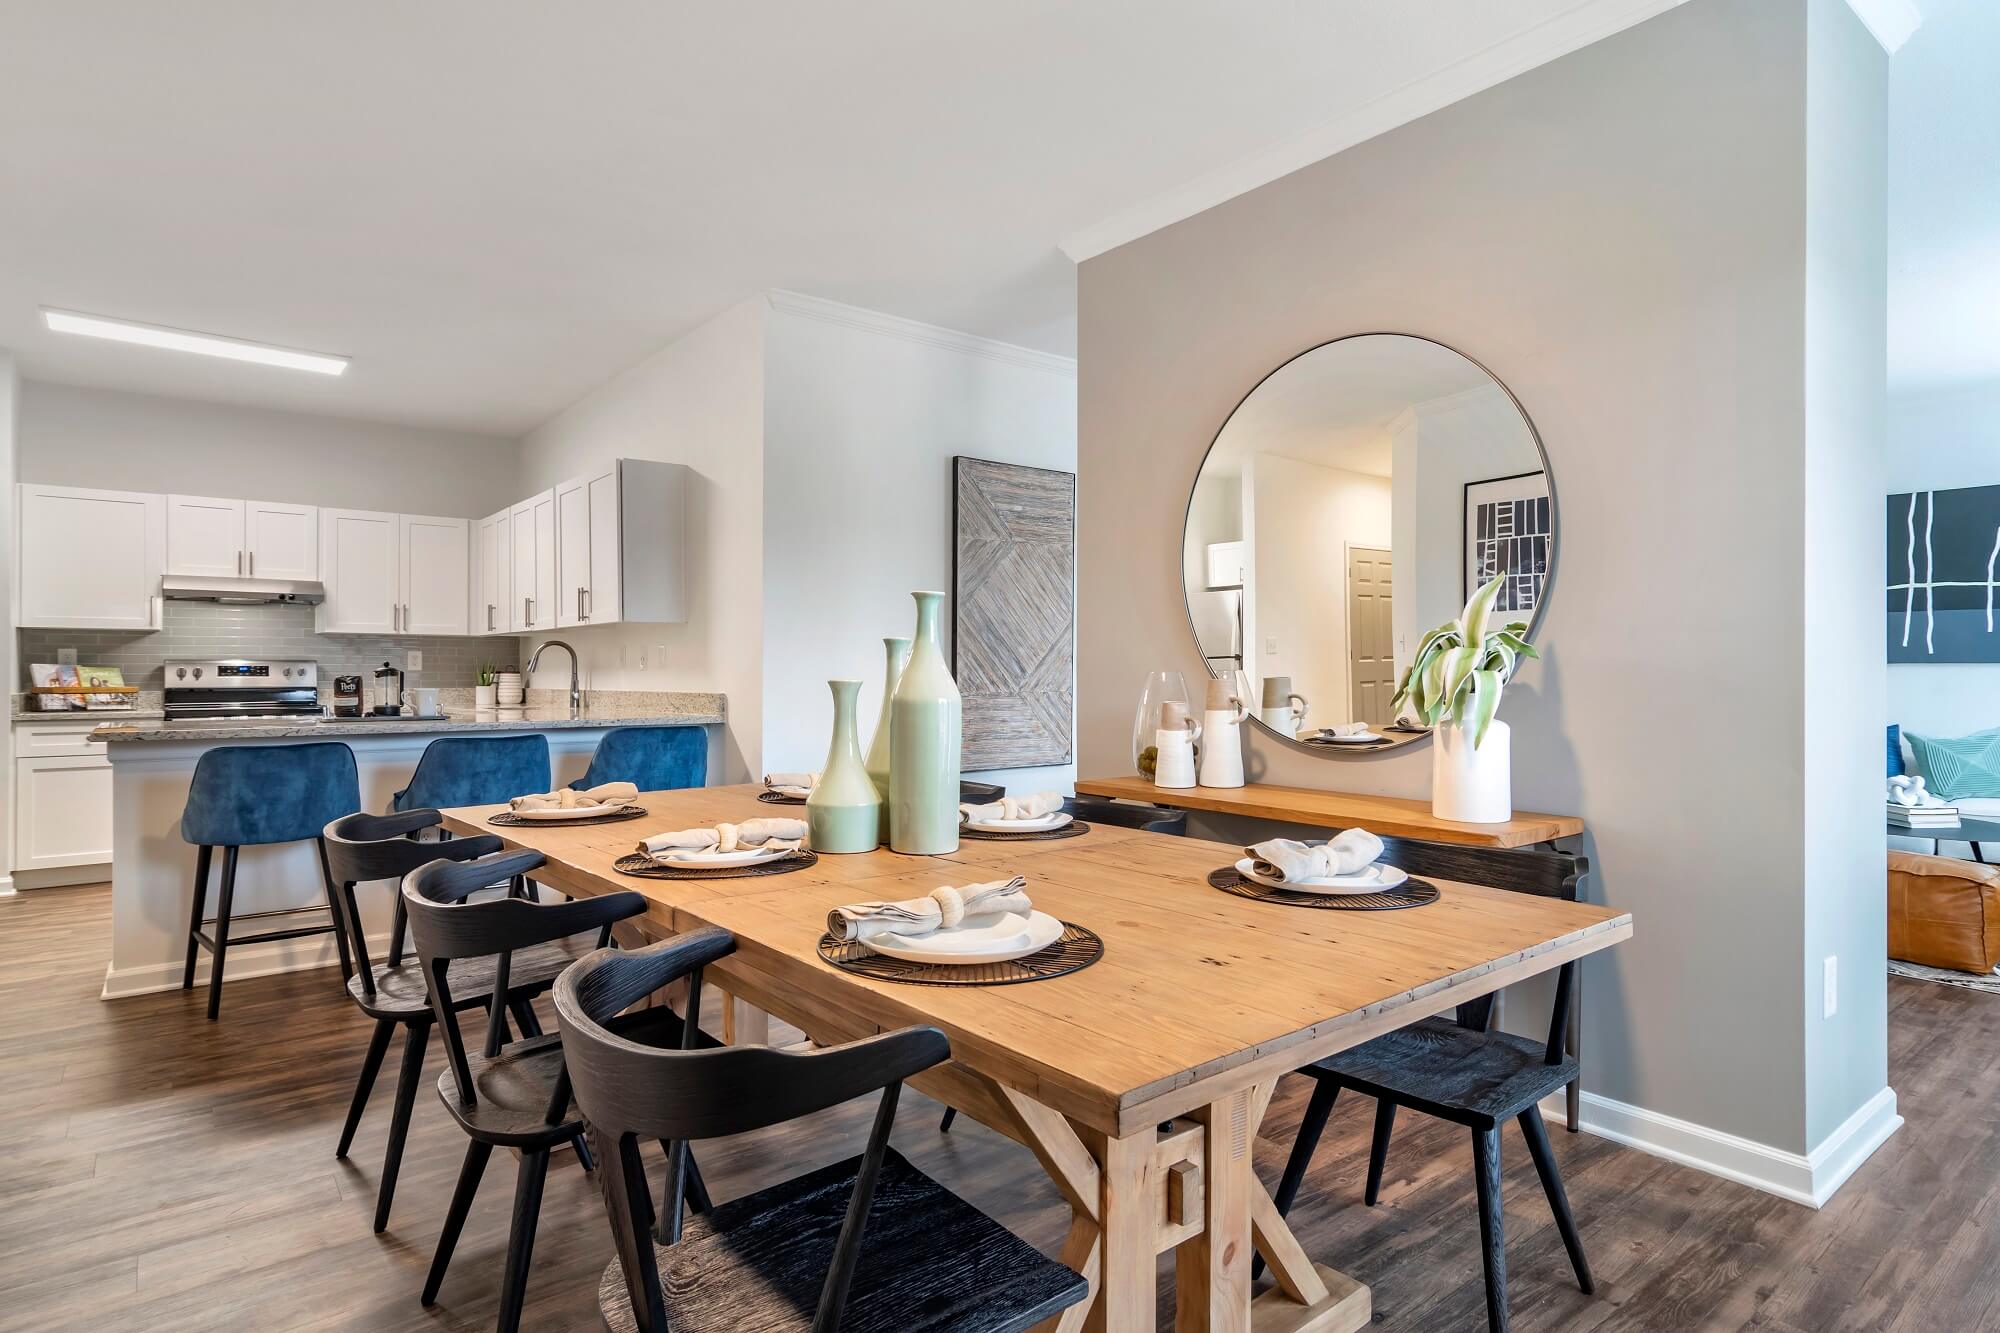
<point>579,604</point>
<point>239,562</point>
<point>253,564</point>
<point>528,612</point>
<point>489,617</point>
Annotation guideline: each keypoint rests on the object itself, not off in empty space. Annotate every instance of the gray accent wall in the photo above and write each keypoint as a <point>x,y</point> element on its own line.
<point>1634,238</point>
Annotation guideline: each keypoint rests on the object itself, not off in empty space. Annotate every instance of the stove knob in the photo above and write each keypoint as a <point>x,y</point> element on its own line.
<point>288,673</point>
<point>180,673</point>
<point>197,673</point>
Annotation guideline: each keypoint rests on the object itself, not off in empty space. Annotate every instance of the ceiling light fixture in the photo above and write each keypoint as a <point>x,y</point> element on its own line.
<point>178,340</point>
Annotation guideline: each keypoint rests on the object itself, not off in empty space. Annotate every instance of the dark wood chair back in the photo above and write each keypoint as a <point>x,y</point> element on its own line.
<point>359,849</point>
<point>445,926</point>
<point>1125,814</point>
<point>627,1091</point>
<point>1517,870</point>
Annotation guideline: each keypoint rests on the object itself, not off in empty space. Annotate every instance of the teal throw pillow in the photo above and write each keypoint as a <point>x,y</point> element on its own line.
<point>1959,767</point>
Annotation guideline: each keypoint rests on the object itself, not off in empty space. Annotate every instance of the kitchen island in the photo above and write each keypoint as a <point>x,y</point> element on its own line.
<point>152,870</point>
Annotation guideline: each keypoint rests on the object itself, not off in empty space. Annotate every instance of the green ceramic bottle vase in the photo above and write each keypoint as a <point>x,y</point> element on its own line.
<point>924,732</point>
<point>898,652</point>
<point>844,812</point>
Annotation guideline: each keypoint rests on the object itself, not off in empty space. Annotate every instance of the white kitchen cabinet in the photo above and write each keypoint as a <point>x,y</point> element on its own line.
<point>493,574</point>
<point>433,554</point>
<point>280,541</point>
<point>266,539</point>
<point>621,545</point>
<point>359,560</point>
<point>532,599</point>
<point>204,536</point>
<point>62,810</point>
<point>89,559</point>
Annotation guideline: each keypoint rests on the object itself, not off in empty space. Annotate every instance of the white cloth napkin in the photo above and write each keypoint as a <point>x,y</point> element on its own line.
<point>942,908</point>
<point>792,784</point>
<point>782,833</point>
<point>1908,789</point>
<point>1033,806</point>
<point>1345,854</point>
<point>608,793</point>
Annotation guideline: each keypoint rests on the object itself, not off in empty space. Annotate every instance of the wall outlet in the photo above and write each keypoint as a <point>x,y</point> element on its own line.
<point>416,662</point>
<point>1830,987</point>
<point>1271,644</point>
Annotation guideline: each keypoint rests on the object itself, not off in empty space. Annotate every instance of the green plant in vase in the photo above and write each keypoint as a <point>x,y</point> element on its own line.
<point>1454,686</point>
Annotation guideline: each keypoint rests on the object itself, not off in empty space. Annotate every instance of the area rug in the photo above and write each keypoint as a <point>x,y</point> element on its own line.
<point>1969,980</point>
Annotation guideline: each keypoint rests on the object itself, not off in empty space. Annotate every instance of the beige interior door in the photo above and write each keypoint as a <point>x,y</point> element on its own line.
<point>1371,643</point>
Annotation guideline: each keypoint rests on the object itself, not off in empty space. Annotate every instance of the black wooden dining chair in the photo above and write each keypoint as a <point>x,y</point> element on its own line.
<point>505,1094</point>
<point>361,849</point>
<point>1461,1069</point>
<point>868,1245</point>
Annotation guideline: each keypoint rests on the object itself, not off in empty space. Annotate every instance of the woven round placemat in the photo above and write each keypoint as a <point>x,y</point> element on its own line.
<point>1410,893</point>
<point>1077,949</point>
<point>1073,829</point>
<point>642,866</point>
<point>508,819</point>
<point>779,798</point>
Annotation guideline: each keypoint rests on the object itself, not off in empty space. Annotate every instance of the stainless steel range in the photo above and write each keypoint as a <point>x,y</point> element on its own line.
<point>237,688</point>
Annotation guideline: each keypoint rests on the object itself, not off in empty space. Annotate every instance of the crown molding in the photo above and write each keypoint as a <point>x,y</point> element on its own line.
<point>1558,36</point>
<point>916,331</point>
<point>1892,21</point>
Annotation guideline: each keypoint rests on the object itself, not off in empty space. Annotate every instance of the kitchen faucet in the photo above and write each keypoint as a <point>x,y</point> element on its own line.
<point>575,694</point>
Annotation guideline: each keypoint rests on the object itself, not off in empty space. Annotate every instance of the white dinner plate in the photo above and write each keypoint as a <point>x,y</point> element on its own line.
<point>1039,824</point>
<point>575,812</point>
<point>982,939</point>
<point>748,856</point>
<point>1358,738</point>
<point>1377,878</point>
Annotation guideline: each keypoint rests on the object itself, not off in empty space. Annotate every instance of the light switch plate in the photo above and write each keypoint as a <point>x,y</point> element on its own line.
<point>416,661</point>
<point>1271,644</point>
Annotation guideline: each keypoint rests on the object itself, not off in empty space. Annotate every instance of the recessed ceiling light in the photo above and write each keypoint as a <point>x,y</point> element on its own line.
<point>208,344</point>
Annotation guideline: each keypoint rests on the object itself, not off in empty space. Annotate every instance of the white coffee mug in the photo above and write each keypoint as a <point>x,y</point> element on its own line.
<point>422,703</point>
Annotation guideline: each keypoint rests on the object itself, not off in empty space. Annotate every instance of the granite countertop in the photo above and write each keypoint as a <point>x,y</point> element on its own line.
<point>653,710</point>
<point>99,716</point>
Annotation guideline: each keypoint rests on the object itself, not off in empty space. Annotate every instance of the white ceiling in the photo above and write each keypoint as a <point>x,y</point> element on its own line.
<point>495,205</point>
<point>1944,201</point>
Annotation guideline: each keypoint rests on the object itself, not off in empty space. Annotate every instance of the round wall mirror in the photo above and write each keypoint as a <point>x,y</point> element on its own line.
<point>1352,501</point>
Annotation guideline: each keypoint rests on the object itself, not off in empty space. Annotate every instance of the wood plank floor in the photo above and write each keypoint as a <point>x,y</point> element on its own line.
<point>160,1172</point>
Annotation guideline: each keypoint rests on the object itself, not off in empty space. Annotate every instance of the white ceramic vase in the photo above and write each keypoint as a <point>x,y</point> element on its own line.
<point>485,698</point>
<point>1472,786</point>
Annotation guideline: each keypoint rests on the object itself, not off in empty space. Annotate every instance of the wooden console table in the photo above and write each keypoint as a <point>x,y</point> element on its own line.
<point>1390,816</point>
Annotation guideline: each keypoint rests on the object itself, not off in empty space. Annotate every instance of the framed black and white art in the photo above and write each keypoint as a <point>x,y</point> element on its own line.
<point>1508,531</point>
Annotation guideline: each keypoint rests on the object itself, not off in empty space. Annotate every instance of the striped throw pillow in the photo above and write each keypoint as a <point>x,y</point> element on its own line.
<point>1959,767</point>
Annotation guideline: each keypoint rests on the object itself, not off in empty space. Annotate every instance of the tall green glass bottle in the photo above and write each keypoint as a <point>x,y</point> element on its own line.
<point>924,734</point>
<point>898,652</point>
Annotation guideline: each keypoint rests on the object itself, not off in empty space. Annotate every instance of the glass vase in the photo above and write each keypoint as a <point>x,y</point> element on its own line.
<point>924,737</point>
<point>844,812</point>
<point>898,652</point>
<point>1161,688</point>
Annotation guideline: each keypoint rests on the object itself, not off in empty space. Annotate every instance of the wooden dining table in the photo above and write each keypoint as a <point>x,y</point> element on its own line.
<point>1138,1082</point>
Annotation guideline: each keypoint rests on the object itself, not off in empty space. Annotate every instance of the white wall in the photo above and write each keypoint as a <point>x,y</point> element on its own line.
<point>1654,326</point>
<point>1941,441</point>
<point>73,436</point>
<point>9,474</point>
<point>1306,518</point>
<point>863,414</point>
<point>698,401</point>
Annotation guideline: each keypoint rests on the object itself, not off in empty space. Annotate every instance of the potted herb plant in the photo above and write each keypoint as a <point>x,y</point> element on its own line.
<point>487,693</point>
<point>1454,686</point>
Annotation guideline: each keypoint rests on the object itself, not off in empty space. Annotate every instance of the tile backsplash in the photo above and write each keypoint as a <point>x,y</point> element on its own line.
<point>208,629</point>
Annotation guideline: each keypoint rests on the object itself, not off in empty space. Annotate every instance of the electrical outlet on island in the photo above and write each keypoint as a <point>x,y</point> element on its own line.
<point>416,661</point>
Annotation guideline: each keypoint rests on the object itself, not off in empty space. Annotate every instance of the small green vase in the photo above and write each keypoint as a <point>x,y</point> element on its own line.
<point>898,652</point>
<point>924,734</point>
<point>844,811</point>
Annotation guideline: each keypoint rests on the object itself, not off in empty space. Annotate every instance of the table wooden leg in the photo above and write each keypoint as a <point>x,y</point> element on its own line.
<point>743,1023</point>
<point>1129,1203</point>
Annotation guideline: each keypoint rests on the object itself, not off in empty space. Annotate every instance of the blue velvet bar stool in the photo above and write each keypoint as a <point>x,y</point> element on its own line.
<point>476,770</point>
<point>650,758</point>
<point>256,796</point>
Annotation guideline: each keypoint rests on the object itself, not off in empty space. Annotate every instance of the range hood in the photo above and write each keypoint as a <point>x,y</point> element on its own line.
<point>242,592</point>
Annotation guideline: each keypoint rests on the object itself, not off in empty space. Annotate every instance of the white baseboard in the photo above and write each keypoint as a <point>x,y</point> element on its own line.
<point>6,886</point>
<point>1807,1178</point>
<point>245,960</point>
